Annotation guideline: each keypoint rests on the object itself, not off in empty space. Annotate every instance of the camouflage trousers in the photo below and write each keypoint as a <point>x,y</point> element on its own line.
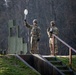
<point>34,45</point>
<point>51,45</point>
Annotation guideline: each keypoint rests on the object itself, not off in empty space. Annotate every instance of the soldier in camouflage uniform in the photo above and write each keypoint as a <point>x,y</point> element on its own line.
<point>35,36</point>
<point>52,30</point>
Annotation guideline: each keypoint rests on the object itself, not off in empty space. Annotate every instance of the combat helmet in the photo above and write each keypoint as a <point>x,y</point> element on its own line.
<point>35,21</point>
<point>52,23</point>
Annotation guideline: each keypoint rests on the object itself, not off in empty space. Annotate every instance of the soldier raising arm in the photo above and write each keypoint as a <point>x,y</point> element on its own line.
<point>28,25</point>
<point>35,36</point>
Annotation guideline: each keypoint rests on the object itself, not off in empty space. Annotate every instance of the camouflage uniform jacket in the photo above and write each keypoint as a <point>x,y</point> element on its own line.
<point>52,30</point>
<point>35,30</point>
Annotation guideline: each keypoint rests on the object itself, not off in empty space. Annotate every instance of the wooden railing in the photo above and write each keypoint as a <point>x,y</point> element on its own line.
<point>70,48</point>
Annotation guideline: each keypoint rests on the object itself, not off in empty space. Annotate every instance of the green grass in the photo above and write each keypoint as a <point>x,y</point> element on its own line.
<point>65,60</point>
<point>10,65</point>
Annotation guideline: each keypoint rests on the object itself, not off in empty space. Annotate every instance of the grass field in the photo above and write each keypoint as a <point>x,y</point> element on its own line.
<point>65,60</point>
<point>9,65</point>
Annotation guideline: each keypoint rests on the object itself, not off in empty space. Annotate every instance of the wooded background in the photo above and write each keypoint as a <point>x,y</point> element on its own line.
<point>62,11</point>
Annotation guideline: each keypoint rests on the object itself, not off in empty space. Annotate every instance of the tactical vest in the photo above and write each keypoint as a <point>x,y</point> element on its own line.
<point>52,30</point>
<point>35,31</point>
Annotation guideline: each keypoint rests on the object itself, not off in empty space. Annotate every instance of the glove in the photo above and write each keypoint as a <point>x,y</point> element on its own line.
<point>51,32</point>
<point>38,39</point>
<point>25,20</point>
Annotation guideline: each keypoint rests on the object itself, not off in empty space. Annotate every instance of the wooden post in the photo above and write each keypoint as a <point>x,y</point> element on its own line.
<point>70,56</point>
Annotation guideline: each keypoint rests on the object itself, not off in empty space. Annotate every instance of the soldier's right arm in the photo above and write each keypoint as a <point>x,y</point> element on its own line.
<point>48,32</point>
<point>27,25</point>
